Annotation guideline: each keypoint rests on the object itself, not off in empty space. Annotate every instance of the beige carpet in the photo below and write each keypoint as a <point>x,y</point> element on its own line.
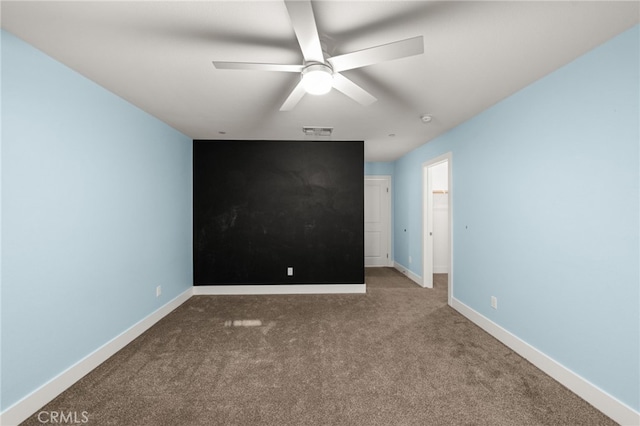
<point>395,356</point>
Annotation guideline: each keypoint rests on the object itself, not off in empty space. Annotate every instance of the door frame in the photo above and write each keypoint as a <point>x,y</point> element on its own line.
<point>427,221</point>
<point>389,211</point>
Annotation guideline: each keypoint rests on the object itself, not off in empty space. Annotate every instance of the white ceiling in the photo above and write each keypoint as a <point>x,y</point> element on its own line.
<point>157,55</point>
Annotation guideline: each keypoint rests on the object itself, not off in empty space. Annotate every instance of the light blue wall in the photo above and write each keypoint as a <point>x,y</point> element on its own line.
<point>379,168</point>
<point>96,212</point>
<point>546,214</point>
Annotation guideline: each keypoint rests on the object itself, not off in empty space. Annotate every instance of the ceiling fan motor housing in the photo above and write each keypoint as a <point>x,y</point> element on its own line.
<point>317,78</point>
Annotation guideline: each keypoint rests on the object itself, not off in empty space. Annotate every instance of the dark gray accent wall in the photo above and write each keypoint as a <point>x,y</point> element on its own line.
<point>261,207</point>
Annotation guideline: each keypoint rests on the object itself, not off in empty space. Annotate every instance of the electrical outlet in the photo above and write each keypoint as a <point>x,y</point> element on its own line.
<point>158,291</point>
<point>290,271</point>
<point>410,259</point>
<point>494,302</point>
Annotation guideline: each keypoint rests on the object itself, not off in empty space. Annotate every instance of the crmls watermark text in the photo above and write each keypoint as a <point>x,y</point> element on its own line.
<point>63,417</point>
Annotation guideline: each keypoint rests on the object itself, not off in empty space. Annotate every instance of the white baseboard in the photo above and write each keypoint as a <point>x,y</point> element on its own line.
<point>440,269</point>
<point>235,290</point>
<point>26,407</point>
<point>609,405</point>
<point>412,276</point>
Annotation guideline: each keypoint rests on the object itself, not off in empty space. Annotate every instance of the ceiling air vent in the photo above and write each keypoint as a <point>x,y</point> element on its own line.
<point>317,131</point>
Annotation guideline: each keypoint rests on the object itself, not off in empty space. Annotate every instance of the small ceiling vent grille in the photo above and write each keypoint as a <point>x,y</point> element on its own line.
<point>317,131</point>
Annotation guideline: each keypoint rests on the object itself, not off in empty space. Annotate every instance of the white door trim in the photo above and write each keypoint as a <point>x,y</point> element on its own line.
<point>387,180</point>
<point>427,222</point>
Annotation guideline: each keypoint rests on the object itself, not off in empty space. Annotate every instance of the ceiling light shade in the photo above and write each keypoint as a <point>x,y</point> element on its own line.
<point>317,79</point>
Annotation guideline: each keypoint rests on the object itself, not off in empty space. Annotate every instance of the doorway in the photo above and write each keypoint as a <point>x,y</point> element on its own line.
<point>377,221</point>
<point>437,220</point>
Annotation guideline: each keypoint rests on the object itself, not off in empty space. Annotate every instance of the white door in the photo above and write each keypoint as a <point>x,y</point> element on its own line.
<point>436,176</point>
<point>427,264</point>
<point>377,221</point>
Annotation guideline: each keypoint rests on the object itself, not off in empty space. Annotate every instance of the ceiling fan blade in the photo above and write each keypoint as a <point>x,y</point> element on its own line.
<point>304,25</point>
<point>294,97</point>
<point>352,90</point>
<point>256,66</point>
<point>385,52</point>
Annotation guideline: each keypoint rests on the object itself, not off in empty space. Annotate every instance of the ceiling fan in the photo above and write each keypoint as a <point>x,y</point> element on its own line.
<point>320,73</point>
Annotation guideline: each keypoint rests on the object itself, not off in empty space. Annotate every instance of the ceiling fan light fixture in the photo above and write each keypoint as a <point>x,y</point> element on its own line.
<point>317,79</point>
